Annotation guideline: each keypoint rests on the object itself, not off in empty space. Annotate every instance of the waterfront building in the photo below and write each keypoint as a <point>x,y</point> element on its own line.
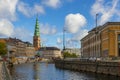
<point>10,47</point>
<point>19,44</point>
<point>73,50</point>
<point>30,50</point>
<point>50,52</point>
<point>102,41</point>
<point>19,48</point>
<point>36,37</point>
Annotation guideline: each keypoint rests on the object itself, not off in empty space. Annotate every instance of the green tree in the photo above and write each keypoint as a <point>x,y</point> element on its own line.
<point>69,55</point>
<point>3,48</point>
<point>74,55</point>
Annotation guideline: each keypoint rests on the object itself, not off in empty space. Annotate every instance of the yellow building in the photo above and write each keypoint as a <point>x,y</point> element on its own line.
<point>103,41</point>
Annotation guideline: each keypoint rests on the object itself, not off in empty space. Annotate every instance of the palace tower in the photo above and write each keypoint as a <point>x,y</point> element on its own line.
<point>36,37</point>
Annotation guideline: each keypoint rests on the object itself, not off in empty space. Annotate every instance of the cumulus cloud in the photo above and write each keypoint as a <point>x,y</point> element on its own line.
<point>8,9</point>
<point>6,28</point>
<point>73,22</point>
<point>52,3</point>
<point>47,29</point>
<point>22,33</point>
<point>30,11</point>
<point>107,10</point>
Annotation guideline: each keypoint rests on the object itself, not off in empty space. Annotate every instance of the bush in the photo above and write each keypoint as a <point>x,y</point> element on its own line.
<point>3,48</point>
<point>69,55</point>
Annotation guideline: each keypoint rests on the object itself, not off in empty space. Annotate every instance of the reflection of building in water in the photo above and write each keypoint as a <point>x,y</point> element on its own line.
<point>36,71</point>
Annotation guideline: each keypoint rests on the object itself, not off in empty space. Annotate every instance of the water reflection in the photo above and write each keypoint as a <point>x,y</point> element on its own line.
<point>43,71</point>
<point>36,71</point>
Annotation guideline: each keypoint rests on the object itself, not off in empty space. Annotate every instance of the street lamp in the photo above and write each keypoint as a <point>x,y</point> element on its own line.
<point>63,42</point>
<point>96,32</point>
<point>96,24</point>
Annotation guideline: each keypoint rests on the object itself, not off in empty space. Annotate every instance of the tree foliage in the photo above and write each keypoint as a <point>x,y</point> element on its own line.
<point>3,48</point>
<point>69,55</point>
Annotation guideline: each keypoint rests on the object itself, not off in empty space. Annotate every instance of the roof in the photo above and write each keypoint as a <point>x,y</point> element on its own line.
<point>37,32</point>
<point>101,27</point>
<point>2,40</point>
<point>28,44</point>
<point>48,48</point>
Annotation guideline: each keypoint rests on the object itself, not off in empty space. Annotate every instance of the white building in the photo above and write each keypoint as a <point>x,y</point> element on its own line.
<point>49,52</point>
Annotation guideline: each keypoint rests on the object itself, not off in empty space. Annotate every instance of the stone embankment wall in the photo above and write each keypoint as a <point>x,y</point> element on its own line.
<point>4,72</point>
<point>112,68</point>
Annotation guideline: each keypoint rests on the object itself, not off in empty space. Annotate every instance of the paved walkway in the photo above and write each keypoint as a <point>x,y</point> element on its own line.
<point>1,71</point>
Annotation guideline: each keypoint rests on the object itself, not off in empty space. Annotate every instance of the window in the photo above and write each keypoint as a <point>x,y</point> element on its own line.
<point>118,37</point>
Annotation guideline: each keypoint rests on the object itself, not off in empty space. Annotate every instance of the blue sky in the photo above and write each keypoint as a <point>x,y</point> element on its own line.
<point>17,19</point>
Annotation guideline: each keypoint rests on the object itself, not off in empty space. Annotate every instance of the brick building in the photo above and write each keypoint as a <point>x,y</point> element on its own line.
<point>103,41</point>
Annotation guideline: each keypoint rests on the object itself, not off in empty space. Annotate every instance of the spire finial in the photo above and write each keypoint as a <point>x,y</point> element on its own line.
<point>36,17</point>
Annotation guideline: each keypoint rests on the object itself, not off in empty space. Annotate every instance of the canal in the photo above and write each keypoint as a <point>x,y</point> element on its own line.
<point>43,71</point>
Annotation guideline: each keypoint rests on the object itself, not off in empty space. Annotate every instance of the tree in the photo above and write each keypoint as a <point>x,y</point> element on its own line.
<point>69,55</point>
<point>3,48</point>
<point>74,55</point>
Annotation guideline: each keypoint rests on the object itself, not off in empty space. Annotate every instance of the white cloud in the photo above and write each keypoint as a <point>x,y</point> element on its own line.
<point>8,9</point>
<point>73,22</point>
<point>47,29</point>
<point>22,33</point>
<point>74,41</point>
<point>59,40</point>
<point>78,36</point>
<point>30,11</point>
<point>107,10</point>
<point>6,28</point>
<point>52,3</point>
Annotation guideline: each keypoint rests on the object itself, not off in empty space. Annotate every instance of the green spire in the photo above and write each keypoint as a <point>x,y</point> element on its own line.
<point>37,32</point>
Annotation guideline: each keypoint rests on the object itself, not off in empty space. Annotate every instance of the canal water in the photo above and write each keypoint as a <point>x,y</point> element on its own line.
<point>43,71</point>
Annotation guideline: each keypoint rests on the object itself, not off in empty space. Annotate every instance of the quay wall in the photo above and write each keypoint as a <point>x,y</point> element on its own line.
<point>4,72</point>
<point>104,67</point>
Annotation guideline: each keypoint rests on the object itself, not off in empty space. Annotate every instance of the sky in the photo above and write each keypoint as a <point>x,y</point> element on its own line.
<point>77,17</point>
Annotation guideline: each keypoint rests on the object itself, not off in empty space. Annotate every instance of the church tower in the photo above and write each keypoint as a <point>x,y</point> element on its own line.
<point>36,37</point>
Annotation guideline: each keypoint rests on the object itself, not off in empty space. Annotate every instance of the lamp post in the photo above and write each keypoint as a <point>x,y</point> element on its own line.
<point>96,32</point>
<point>96,24</point>
<point>63,42</point>
<point>63,39</point>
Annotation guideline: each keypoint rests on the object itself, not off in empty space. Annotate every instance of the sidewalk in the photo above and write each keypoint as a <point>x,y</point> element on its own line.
<point>4,72</point>
<point>1,71</point>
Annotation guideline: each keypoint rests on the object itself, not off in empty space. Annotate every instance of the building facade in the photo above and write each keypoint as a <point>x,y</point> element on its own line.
<point>36,37</point>
<point>19,48</point>
<point>102,41</point>
<point>30,50</point>
<point>50,52</point>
